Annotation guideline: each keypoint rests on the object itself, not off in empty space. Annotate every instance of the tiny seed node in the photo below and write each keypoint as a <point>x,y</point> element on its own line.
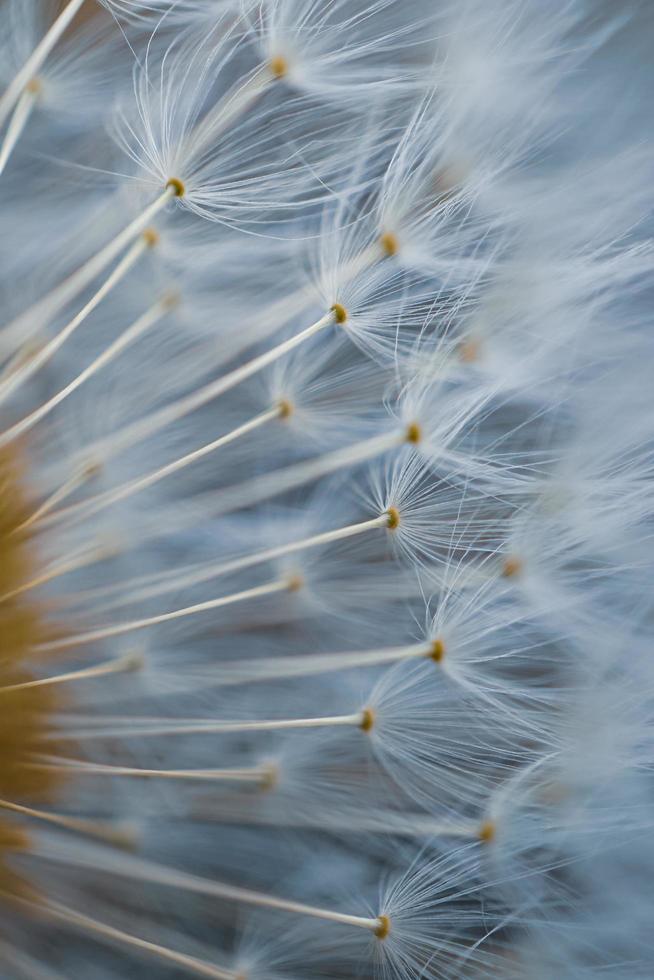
<point>269,777</point>
<point>91,469</point>
<point>367,720</point>
<point>487,832</point>
<point>171,300</point>
<point>389,243</point>
<point>128,839</point>
<point>512,566</point>
<point>285,408</point>
<point>384,927</point>
<point>136,661</point>
<point>29,350</point>
<point>413,433</point>
<point>151,237</point>
<point>295,583</point>
<point>278,66</point>
<point>437,651</point>
<point>176,185</point>
<point>34,86</point>
<point>469,351</point>
<point>392,518</point>
<point>340,313</point>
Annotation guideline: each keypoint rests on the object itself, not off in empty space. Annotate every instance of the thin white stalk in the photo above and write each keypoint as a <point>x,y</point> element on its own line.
<point>144,728</point>
<point>397,823</point>
<point>96,504</point>
<point>78,479</point>
<point>129,336</point>
<point>256,774</point>
<point>147,871</point>
<point>254,490</point>
<point>21,357</point>
<point>119,665</point>
<point>46,308</point>
<point>176,411</point>
<point>273,319</point>
<point>261,488</point>
<point>48,350</point>
<point>280,585</point>
<point>37,58</point>
<point>363,261</point>
<point>70,917</point>
<point>237,101</point>
<point>17,123</point>
<point>110,833</point>
<point>266,668</point>
<point>173,583</point>
<point>89,556</point>
<point>144,587</point>
<point>248,671</point>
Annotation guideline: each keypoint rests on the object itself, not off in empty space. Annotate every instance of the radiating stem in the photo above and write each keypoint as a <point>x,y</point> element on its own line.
<point>129,336</point>
<point>35,61</point>
<point>118,665</point>
<point>128,489</point>
<point>279,585</point>
<point>356,820</point>
<point>265,486</point>
<point>70,917</point>
<point>89,556</point>
<point>142,728</point>
<point>267,668</point>
<point>237,101</point>
<point>48,350</point>
<point>249,671</point>
<point>17,123</point>
<point>73,483</point>
<point>257,774</point>
<point>157,420</point>
<point>218,569</point>
<point>121,836</point>
<point>147,871</point>
<point>21,357</point>
<point>46,308</point>
<point>272,319</point>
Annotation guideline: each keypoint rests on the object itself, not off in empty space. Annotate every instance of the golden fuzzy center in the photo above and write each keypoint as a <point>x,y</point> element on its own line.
<point>25,711</point>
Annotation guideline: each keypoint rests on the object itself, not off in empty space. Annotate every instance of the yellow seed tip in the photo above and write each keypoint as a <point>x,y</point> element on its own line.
<point>511,567</point>
<point>285,408</point>
<point>176,185</point>
<point>487,832</point>
<point>151,237</point>
<point>135,661</point>
<point>384,927</point>
<point>269,777</point>
<point>278,66</point>
<point>171,300</point>
<point>392,518</point>
<point>367,720</point>
<point>34,86</point>
<point>389,243</point>
<point>437,651</point>
<point>413,433</point>
<point>295,583</point>
<point>91,469</point>
<point>340,313</point>
<point>469,350</point>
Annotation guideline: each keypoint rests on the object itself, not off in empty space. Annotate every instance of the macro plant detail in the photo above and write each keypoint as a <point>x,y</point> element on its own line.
<point>326,450</point>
